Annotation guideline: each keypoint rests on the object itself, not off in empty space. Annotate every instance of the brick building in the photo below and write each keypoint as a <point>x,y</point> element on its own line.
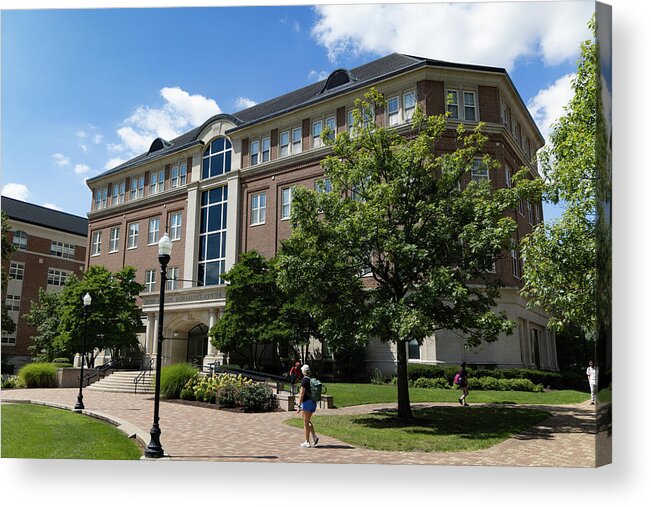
<point>50,245</point>
<point>225,187</point>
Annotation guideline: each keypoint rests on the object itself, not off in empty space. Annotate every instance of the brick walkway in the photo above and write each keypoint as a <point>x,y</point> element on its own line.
<point>567,439</point>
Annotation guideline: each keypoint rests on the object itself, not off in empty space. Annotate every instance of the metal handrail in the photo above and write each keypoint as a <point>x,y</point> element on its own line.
<point>254,375</point>
<point>146,368</point>
<point>100,371</point>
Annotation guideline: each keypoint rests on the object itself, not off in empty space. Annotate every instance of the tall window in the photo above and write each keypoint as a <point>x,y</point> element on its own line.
<point>297,140</point>
<point>507,176</point>
<point>56,277</point>
<point>286,202</point>
<point>179,175</point>
<point>255,152</point>
<point>258,208</point>
<point>217,158</point>
<point>172,278</point>
<point>150,280</point>
<point>101,197</point>
<point>469,107</point>
<point>530,212</point>
<point>453,104</point>
<point>175,225</point>
<point>324,185</point>
<point>515,259</point>
<point>20,240</point>
<point>266,149</point>
<point>331,125</point>
<point>60,249</point>
<point>137,187</point>
<point>152,235</point>
<point>479,170</point>
<point>284,143</point>
<point>317,128</point>
<point>96,246</point>
<point>16,270</point>
<point>212,236</point>
<point>13,303</point>
<point>119,190</point>
<point>409,103</point>
<point>134,230</point>
<point>413,349</point>
<point>156,182</point>
<point>393,110</point>
<point>114,239</point>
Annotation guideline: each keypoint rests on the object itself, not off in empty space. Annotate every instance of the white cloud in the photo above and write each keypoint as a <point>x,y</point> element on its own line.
<point>483,33</point>
<point>243,103</point>
<point>81,168</point>
<point>52,206</point>
<point>547,106</point>
<point>314,75</point>
<point>16,191</point>
<point>180,112</point>
<point>60,159</point>
<point>114,162</point>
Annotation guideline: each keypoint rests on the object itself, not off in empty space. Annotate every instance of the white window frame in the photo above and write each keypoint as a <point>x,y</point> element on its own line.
<point>255,152</point>
<point>20,240</point>
<point>153,234</point>
<point>61,249</point>
<point>475,175</point>
<point>515,260</point>
<point>96,246</point>
<point>150,280</point>
<point>323,185</point>
<point>16,270</point>
<point>114,239</point>
<point>265,149</point>
<point>258,208</point>
<point>57,277</point>
<point>284,147</point>
<point>508,176</point>
<point>132,238</point>
<point>137,187</point>
<point>12,302</point>
<point>452,102</point>
<point>317,128</point>
<point>157,182</point>
<point>331,124</point>
<point>408,112</point>
<point>176,225</point>
<point>297,144</point>
<point>178,175</point>
<point>473,106</point>
<point>101,197</point>
<point>286,202</point>
<point>119,191</point>
<point>530,212</point>
<point>172,278</point>
<point>393,116</point>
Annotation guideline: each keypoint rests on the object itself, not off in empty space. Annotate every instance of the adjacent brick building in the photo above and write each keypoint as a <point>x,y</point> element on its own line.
<point>50,245</point>
<point>225,188</point>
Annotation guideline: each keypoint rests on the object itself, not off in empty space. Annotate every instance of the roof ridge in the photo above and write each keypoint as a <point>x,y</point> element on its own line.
<point>44,207</point>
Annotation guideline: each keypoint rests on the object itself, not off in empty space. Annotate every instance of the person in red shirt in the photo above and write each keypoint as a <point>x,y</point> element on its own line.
<point>295,375</point>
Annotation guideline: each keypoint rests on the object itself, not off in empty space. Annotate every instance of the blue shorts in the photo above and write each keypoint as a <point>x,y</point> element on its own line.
<point>308,406</point>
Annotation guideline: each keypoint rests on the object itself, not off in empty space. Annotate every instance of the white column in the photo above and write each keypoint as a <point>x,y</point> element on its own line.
<point>232,235</point>
<point>192,223</point>
<point>149,334</point>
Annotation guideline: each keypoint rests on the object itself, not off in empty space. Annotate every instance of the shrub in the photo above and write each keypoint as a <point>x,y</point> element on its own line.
<point>174,378</point>
<point>574,380</point>
<point>187,393</point>
<point>258,398</point>
<point>62,365</point>
<point>416,371</point>
<point>431,383</point>
<point>38,375</point>
<point>62,360</point>
<point>12,382</point>
<point>491,384</point>
<point>376,377</point>
<point>228,396</point>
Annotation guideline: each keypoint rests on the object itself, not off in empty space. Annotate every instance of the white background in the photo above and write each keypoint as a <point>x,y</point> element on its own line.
<point>626,481</point>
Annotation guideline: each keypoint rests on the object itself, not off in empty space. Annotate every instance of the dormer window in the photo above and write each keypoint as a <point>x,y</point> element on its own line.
<point>217,158</point>
<point>338,78</point>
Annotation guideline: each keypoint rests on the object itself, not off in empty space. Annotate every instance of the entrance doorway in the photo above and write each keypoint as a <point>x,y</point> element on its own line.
<point>197,344</point>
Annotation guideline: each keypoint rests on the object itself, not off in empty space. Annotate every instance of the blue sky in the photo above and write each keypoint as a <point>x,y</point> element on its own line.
<point>83,90</point>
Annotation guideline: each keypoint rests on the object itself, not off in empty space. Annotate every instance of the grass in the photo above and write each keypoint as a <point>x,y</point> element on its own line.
<point>436,429</point>
<point>345,395</point>
<point>33,431</point>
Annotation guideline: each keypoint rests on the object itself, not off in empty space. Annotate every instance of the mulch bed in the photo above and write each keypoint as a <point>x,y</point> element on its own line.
<point>213,406</point>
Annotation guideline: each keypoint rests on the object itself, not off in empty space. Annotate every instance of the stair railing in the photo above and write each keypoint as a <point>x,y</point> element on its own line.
<point>100,371</point>
<point>145,370</point>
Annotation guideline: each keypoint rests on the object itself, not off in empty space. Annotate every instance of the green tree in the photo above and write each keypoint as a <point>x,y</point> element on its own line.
<point>113,317</point>
<point>561,272</point>
<point>405,213</point>
<point>8,325</point>
<point>44,316</point>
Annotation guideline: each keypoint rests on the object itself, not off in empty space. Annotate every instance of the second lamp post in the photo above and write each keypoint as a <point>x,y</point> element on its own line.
<point>80,397</point>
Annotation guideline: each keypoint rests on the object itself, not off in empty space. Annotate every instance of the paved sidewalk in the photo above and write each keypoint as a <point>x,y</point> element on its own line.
<point>567,439</point>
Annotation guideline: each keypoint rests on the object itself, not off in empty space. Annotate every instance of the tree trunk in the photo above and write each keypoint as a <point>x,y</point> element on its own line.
<point>404,407</point>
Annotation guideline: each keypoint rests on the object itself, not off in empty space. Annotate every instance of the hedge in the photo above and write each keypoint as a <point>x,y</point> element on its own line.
<point>38,375</point>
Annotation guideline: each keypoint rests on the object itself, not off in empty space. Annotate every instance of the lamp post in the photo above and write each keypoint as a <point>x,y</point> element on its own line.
<point>154,449</point>
<point>79,406</point>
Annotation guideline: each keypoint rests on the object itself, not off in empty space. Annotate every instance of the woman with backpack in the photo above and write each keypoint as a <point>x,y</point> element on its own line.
<point>308,405</point>
<point>461,379</point>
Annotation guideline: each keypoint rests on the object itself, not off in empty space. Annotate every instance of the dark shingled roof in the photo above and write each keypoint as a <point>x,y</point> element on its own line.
<point>361,76</point>
<point>45,217</point>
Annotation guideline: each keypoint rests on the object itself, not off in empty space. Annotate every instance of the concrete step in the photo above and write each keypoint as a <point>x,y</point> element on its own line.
<point>122,382</point>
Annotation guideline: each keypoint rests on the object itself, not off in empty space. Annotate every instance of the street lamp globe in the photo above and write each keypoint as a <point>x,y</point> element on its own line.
<point>165,245</point>
<point>87,299</point>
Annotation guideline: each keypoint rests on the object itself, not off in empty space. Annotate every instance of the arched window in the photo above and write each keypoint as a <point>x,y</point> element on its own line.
<point>20,240</point>
<point>217,158</point>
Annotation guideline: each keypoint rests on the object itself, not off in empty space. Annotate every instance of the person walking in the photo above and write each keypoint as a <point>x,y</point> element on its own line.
<point>294,375</point>
<point>461,380</point>
<point>308,406</point>
<point>591,373</point>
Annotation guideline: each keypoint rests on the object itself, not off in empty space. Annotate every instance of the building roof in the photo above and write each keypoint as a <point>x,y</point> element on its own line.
<point>21,211</point>
<point>340,81</point>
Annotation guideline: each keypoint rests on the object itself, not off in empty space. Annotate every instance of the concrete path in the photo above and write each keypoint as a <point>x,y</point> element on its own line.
<point>567,439</point>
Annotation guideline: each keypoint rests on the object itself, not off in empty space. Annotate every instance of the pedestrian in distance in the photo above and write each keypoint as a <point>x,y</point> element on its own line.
<point>591,373</point>
<point>294,375</point>
<point>308,405</point>
<point>461,379</point>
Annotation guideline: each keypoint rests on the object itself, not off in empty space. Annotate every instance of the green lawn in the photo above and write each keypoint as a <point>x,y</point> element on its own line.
<point>33,431</point>
<point>345,395</point>
<point>437,429</point>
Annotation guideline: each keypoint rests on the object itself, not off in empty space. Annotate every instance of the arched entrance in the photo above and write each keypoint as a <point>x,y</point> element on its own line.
<point>197,344</point>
